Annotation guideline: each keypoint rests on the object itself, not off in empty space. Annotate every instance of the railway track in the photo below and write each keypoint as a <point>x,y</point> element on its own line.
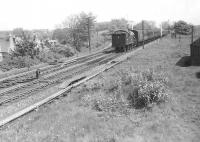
<point>27,77</point>
<point>46,76</point>
<point>22,91</point>
<point>22,111</point>
<point>50,77</point>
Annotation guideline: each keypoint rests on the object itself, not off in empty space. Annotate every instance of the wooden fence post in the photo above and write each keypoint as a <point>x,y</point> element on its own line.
<point>143,34</point>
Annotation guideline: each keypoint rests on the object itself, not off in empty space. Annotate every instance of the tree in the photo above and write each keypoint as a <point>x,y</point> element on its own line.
<point>25,44</point>
<point>42,34</point>
<point>79,26</point>
<point>181,27</point>
<point>166,25</point>
<point>116,24</point>
<point>61,35</point>
<point>102,26</point>
<point>148,25</point>
<point>23,34</point>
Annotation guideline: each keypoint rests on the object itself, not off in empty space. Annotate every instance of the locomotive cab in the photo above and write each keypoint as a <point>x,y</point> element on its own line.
<point>119,39</point>
<point>123,40</point>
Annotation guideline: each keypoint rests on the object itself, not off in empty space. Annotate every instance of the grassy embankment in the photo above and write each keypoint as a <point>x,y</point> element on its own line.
<point>106,108</point>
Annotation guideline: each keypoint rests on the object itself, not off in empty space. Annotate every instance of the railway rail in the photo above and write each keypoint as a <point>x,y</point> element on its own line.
<point>53,77</point>
<point>21,87</point>
<point>105,64</point>
<point>17,114</point>
<point>25,90</point>
<point>28,76</point>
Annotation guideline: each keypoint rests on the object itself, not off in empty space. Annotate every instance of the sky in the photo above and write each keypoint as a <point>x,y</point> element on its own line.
<point>46,14</point>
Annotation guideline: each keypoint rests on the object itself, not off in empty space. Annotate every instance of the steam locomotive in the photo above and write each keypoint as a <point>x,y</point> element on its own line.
<point>123,40</point>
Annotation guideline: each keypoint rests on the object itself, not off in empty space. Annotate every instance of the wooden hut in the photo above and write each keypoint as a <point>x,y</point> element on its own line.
<point>195,52</point>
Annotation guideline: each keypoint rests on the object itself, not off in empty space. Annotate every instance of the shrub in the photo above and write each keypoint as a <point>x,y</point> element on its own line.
<point>147,88</point>
<point>64,50</point>
<point>48,56</point>
<point>101,101</point>
<point>18,62</point>
<point>131,90</point>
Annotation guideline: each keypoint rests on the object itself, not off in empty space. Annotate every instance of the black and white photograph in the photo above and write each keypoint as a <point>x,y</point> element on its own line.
<point>99,71</point>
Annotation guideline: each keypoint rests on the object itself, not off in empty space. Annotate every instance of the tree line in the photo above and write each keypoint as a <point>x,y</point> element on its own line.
<point>77,29</point>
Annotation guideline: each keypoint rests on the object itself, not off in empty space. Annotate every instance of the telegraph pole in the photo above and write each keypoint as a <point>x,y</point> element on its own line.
<point>143,34</point>
<point>89,33</point>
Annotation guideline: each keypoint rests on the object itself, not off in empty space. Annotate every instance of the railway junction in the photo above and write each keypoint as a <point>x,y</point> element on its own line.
<point>25,95</point>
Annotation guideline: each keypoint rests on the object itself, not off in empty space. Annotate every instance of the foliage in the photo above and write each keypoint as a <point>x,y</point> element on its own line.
<point>117,24</point>
<point>25,47</point>
<point>17,62</point>
<point>62,35</point>
<point>42,34</point>
<point>148,88</point>
<point>78,26</point>
<point>127,90</point>
<point>147,25</point>
<point>26,52</point>
<point>166,25</point>
<point>181,27</point>
<point>21,33</point>
<point>24,43</point>
<point>48,56</point>
<point>102,26</point>
<point>64,50</point>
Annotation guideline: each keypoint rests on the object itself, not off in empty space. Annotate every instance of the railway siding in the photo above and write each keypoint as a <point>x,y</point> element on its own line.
<point>85,77</point>
<point>23,72</point>
<point>50,80</point>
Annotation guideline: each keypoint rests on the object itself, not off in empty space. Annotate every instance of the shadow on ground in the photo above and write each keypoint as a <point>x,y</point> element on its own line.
<point>198,74</point>
<point>184,62</point>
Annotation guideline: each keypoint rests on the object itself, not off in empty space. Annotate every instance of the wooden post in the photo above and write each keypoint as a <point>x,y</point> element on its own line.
<point>143,33</point>
<point>161,31</point>
<point>97,39</point>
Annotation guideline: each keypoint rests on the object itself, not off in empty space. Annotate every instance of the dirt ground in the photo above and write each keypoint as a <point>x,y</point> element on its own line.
<point>68,120</point>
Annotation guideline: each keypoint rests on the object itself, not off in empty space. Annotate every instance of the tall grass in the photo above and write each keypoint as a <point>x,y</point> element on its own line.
<point>127,90</point>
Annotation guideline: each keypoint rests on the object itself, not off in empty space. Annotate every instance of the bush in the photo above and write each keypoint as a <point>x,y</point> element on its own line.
<point>48,56</point>
<point>148,88</point>
<point>17,62</point>
<point>105,102</point>
<point>132,90</point>
<point>64,50</point>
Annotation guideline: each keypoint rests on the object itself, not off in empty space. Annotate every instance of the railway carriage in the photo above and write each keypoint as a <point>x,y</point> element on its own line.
<point>123,40</point>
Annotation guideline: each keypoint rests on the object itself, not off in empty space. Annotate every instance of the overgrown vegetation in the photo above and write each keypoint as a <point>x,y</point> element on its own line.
<point>29,52</point>
<point>182,27</point>
<point>127,90</point>
<point>74,30</point>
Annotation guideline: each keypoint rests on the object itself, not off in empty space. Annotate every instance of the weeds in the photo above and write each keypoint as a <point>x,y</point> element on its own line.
<point>148,88</point>
<point>128,90</point>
